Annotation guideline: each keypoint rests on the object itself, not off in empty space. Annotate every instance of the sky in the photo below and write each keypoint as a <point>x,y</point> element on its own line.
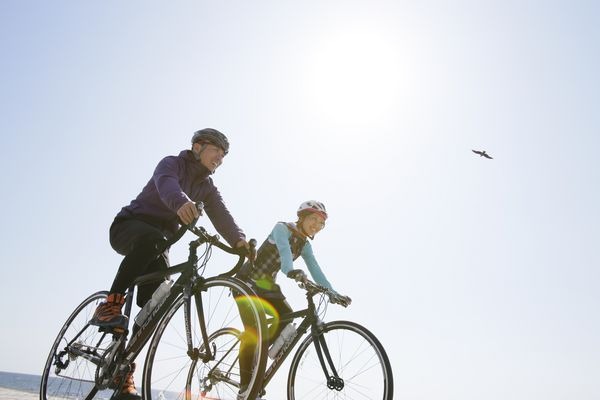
<point>480,277</point>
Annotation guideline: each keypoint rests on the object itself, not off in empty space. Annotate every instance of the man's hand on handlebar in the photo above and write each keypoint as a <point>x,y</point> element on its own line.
<point>246,249</point>
<point>188,212</point>
<point>242,243</point>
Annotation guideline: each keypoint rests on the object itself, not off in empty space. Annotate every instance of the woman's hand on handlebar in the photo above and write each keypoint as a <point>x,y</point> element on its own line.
<point>188,212</point>
<point>337,298</point>
<point>298,275</point>
<point>310,286</point>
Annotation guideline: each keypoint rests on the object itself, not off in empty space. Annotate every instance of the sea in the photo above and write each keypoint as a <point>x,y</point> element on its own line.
<point>22,382</point>
<point>31,384</point>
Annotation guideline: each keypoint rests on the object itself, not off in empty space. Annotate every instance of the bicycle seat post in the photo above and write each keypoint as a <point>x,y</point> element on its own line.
<point>128,303</point>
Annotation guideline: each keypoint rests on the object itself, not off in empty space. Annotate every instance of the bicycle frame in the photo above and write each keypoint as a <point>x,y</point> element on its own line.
<point>188,283</point>
<point>107,352</point>
<point>310,320</point>
<point>118,356</point>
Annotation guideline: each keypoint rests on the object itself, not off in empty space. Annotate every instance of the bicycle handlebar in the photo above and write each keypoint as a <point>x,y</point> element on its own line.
<point>184,228</point>
<point>312,289</point>
<point>241,252</point>
<point>205,237</point>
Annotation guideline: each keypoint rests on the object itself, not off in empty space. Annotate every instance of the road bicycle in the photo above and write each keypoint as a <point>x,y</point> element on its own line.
<point>336,360</point>
<point>185,358</point>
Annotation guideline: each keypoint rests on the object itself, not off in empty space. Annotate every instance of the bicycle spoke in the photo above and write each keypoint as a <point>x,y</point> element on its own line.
<point>71,366</point>
<point>171,371</point>
<point>363,368</point>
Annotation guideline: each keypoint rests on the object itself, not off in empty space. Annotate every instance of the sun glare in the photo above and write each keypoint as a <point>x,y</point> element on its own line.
<point>354,77</point>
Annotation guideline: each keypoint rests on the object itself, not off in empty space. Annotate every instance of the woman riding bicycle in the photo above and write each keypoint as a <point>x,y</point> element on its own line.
<point>286,243</point>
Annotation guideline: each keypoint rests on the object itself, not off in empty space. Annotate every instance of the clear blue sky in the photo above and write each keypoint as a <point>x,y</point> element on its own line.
<point>479,276</point>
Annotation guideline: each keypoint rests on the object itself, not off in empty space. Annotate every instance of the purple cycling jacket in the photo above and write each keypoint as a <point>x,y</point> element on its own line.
<point>177,180</point>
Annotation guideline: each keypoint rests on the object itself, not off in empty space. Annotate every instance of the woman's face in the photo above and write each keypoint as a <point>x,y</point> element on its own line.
<point>312,224</point>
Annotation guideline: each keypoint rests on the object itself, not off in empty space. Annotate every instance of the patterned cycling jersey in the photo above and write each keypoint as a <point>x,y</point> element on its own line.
<point>284,245</point>
<point>268,259</point>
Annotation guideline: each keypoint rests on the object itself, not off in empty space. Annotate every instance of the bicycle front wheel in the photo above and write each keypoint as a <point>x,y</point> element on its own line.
<point>173,372</point>
<point>74,358</point>
<point>360,360</point>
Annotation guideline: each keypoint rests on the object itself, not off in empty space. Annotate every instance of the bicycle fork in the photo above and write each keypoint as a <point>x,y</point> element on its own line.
<point>333,380</point>
<point>193,352</point>
<point>204,353</point>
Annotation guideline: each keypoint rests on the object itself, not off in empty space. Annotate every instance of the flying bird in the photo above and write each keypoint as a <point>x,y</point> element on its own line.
<point>482,154</point>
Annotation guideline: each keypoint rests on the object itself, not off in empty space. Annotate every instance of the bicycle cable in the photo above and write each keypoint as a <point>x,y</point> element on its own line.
<point>205,257</point>
<point>322,305</point>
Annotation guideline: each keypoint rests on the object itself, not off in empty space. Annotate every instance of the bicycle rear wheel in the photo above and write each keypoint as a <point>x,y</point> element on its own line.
<point>71,366</point>
<point>358,357</point>
<point>171,373</point>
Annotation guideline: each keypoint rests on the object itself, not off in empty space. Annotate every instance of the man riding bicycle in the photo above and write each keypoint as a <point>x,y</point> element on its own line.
<point>141,229</point>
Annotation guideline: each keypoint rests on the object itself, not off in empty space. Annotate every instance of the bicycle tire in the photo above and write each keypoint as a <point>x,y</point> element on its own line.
<point>359,358</point>
<point>170,373</point>
<point>68,372</point>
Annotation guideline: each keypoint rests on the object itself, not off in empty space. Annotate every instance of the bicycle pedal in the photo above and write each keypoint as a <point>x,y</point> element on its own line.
<point>115,330</point>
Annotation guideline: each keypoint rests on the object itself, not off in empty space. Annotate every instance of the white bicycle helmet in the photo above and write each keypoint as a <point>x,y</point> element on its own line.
<point>312,206</point>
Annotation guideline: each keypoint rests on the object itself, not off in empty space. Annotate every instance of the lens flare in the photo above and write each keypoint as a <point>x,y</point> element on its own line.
<point>245,304</point>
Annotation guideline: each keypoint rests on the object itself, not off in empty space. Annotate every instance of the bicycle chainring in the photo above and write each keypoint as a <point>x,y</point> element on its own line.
<point>106,370</point>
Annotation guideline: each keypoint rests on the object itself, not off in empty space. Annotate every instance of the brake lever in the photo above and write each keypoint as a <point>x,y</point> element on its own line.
<point>192,225</point>
<point>209,238</point>
<point>252,251</point>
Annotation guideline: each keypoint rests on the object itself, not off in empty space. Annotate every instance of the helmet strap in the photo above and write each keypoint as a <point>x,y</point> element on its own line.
<point>202,147</point>
<point>197,155</point>
<point>300,228</point>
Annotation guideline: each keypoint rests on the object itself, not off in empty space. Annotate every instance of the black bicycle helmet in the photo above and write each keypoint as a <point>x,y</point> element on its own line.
<point>212,136</point>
